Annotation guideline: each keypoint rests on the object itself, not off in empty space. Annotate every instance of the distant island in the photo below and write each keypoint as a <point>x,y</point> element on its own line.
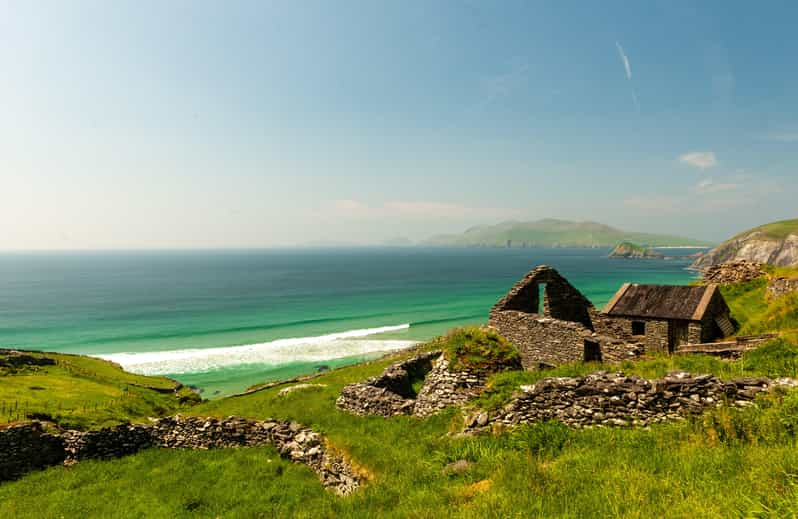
<point>556,233</point>
<point>629,250</point>
<point>774,243</point>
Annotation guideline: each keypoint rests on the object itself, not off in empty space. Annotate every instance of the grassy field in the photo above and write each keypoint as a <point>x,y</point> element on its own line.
<point>728,463</point>
<point>83,392</point>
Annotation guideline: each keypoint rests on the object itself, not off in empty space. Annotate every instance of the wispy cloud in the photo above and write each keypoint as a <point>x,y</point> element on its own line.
<point>783,137</point>
<point>708,185</point>
<point>708,196</point>
<point>625,60</point>
<point>627,66</point>
<point>699,159</point>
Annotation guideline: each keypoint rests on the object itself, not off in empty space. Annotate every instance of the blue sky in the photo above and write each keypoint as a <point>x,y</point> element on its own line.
<point>225,124</point>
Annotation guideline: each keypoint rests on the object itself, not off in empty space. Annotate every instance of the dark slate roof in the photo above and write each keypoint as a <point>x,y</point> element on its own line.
<point>661,301</point>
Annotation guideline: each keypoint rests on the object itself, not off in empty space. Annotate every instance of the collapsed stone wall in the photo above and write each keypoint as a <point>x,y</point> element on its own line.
<point>26,447</point>
<point>615,399</point>
<point>782,286</point>
<point>391,393</point>
<point>442,387</point>
<point>733,272</point>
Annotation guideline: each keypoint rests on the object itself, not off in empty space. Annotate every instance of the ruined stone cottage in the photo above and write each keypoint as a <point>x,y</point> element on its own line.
<point>552,323</point>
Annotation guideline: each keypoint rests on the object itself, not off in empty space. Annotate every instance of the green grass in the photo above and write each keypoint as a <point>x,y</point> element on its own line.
<point>546,470</point>
<point>775,230</point>
<point>477,349</point>
<point>756,312</point>
<point>83,392</point>
<point>727,463</point>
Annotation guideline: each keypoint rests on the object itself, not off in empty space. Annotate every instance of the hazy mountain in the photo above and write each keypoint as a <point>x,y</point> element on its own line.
<point>556,233</point>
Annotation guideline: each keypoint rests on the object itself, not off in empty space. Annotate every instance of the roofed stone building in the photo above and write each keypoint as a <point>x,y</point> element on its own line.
<point>668,316</point>
<point>552,323</point>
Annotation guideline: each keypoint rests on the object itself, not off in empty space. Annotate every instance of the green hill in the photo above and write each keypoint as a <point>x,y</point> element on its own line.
<point>81,392</point>
<point>556,233</point>
<point>774,243</point>
<point>775,231</point>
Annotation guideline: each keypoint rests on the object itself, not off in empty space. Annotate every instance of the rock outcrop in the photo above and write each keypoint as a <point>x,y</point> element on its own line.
<point>26,447</point>
<point>615,399</point>
<point>733,272</point>
<point>628,250</point>
<point>772,244</point>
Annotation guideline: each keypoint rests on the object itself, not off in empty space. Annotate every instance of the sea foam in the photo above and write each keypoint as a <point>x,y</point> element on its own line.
<point>274,353</point>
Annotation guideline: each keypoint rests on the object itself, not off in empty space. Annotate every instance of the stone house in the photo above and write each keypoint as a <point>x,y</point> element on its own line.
<point>551,322</point>
<point>669,316</point>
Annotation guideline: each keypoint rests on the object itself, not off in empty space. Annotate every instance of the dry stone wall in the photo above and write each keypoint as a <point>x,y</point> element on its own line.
<point>733,272</point>
<point>541,340</point>
<point>782,286</point>
<point>616,399</point>
<point>26,447</point>
<point>390,394</point>
<point>443,388</point>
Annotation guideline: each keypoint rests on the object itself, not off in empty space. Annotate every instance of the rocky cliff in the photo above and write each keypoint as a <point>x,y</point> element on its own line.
<point>628,250</point>
<point>774,244</point>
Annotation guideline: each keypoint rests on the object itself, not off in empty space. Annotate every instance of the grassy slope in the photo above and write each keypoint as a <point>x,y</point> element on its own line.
<point>546,233</point>
<point>756,312</point>
<point>775,230</point>
<point>681,470</point>
<point>723,464</point>
<point>84,392</point>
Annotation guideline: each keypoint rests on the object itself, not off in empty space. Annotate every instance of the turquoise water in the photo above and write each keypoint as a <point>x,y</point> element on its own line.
<point>223,320</point>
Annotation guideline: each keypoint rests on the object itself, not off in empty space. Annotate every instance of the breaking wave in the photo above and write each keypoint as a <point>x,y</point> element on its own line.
<point>281,351</point>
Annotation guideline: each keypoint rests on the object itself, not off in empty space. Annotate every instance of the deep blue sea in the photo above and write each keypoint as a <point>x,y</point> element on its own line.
<point>224,320</point>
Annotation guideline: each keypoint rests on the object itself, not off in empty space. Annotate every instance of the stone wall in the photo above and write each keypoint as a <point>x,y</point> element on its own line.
<point>541,340</point>
<point>442,388</point>
<point>562,300</point>
<point>615,399</point>
<point>25,447</point>
<point>733,272</point>
<point>14,359</point>
<point>782,286</point>
<point>391,393</point>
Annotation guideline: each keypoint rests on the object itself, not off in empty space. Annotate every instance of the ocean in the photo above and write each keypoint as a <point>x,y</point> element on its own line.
<point>224,320</point>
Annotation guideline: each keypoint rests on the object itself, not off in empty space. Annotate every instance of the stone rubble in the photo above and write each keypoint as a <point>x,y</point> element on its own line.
<point>26,447</point>
<point>614,399</point>
<point>391,393</point>
<point>782,286</point>
<point>733,272</point>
